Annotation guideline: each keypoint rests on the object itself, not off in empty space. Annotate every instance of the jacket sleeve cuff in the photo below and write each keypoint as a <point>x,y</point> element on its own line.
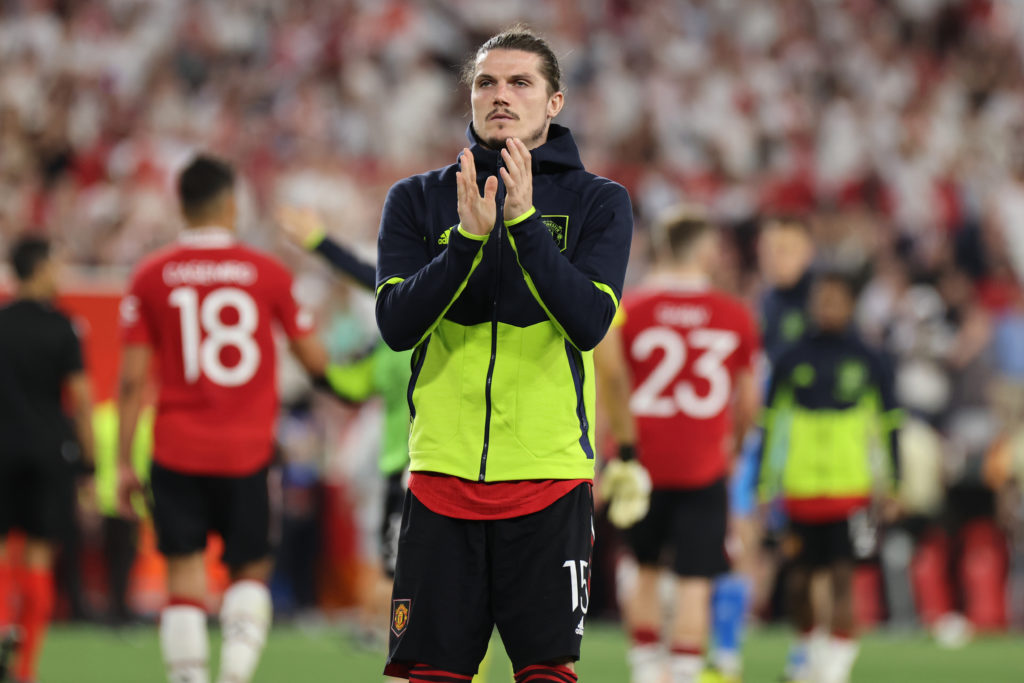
<point>519,219</point>
<point>469,235</point>
<point>314,240</point>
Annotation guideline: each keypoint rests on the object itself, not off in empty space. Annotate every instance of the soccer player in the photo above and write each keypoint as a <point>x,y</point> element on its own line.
<point>830,400</point>
<point>680,362</point>
<point>40,360</point>
<point>785,251</point>
<point>502,272</point>
<point>205,309</point>
<point>383,372</point>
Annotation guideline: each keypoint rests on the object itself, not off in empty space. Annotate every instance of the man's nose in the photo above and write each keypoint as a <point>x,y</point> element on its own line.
<point>501,93</point>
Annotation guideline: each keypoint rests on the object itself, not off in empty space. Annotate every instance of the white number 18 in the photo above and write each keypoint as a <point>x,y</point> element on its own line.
<point>204,335</point>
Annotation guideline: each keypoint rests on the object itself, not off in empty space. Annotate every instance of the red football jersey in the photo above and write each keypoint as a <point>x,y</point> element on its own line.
<point>684,347</point>
<point>208,306</point>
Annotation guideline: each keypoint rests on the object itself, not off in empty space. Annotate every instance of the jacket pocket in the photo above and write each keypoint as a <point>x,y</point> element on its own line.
<point>545,422</point>
<point>447,392</point>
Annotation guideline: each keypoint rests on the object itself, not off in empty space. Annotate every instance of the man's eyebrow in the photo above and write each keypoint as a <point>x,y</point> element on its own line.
<point>514,77</point>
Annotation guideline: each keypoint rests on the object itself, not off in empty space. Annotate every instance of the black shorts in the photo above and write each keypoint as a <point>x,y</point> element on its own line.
<point>818,545</point>
<point>37,496</point>
<point>685,530</point>
<point>187,507</point>
<point>456,579</point>
<point>391,522</point>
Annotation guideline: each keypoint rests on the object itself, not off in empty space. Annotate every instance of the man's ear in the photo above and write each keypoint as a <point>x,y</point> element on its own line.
<point>555,104</point>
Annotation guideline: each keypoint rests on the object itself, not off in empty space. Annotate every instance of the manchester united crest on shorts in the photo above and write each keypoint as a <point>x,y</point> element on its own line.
<point>400,616</point>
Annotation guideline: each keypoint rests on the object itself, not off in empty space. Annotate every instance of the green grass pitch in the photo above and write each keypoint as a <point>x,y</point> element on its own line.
<point>88,654</point>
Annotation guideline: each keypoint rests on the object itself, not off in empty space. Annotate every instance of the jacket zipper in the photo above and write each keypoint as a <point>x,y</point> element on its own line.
<point>578,378</point>
<point>498,218</point>
<point>418,357</point>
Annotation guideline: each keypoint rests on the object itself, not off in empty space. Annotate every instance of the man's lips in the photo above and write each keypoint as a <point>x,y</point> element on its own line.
<point>501,116</point>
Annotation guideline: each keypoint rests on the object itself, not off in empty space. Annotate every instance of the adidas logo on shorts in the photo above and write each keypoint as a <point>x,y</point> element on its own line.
<point>579,629</point>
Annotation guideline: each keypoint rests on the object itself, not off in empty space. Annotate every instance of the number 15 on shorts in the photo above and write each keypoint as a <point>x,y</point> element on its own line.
<point>579,583</point>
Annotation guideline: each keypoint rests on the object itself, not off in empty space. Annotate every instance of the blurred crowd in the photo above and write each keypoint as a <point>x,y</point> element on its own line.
<point>897,127</point>
<point>900,118</point>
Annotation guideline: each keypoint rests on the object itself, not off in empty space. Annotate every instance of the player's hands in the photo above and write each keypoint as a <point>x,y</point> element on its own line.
<point>518,177</point>
<point>626,486</point>
<point>128,485</point>
<point>301,225</point>
<point>476,212</point>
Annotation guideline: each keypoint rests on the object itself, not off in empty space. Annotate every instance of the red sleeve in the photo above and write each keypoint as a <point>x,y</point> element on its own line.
<point>295,319</point>
<point>136,323</point>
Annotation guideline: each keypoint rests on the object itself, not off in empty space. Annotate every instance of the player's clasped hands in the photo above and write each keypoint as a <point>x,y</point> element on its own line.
<point>476,212</point>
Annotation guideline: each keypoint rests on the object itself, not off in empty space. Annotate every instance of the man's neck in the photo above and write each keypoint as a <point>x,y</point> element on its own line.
<point>29,292</point>
<point>210,235</point>
<point>794,284</point>
<point>211,224</point>
<point>682,272</point>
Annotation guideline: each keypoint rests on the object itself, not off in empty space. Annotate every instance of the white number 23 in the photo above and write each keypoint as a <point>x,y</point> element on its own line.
<point>718,345</point>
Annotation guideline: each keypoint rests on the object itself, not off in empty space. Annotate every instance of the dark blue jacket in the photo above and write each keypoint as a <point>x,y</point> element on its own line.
<point>784,316</point>
<point>503,325</point>
<point>346,262</point>
<point>831,403</point>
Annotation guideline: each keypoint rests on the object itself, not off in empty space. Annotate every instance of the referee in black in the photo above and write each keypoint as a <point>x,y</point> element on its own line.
<point>41,445</point>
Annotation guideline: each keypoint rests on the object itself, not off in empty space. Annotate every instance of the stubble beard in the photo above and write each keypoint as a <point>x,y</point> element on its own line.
<point>530,141</point>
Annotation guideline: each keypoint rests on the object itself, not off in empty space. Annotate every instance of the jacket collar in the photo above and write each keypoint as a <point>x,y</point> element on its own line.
<point>558,153</point>
<point>801,287</point>
<point>842,336</point>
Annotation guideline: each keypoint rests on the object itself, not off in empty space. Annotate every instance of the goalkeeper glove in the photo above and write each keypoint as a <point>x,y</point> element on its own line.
<point>626,485</point>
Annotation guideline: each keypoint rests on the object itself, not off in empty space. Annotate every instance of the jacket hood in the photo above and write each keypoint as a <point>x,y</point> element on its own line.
<point>558,154</point>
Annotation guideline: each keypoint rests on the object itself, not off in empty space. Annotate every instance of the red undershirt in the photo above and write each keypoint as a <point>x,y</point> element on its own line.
<point>464,499</point>
<point>823,510</point>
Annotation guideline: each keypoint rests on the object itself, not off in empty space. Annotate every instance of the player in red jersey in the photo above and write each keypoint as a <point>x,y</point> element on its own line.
<point>676,376</point>
<point>206,309</point>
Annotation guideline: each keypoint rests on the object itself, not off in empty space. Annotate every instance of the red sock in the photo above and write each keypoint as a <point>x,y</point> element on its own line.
<point>177,601</point>
<point>424,673</point>
<point>684,649</point>
<point>546,673</point>
<point>6,593</point>
<point>645,636</point>
<point>37,604</point>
